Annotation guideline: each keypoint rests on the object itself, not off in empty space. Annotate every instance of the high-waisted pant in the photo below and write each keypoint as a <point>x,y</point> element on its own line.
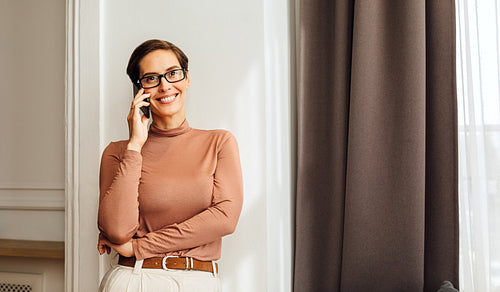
<point>127,279</point>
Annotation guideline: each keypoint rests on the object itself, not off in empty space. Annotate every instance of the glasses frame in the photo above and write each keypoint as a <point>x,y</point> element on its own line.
<point>164,75</point>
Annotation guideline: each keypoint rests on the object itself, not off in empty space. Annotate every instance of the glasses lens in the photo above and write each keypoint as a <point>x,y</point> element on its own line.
<point>150,81</point>
<point>175,75</point>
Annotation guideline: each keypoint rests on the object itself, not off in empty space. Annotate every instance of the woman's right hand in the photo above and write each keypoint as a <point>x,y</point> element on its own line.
<point>137,123</point>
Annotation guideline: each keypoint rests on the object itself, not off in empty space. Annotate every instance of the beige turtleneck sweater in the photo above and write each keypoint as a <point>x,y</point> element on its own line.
<point>179,196</point>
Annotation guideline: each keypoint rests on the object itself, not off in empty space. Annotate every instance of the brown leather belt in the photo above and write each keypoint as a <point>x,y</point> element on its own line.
<point>174,263</point>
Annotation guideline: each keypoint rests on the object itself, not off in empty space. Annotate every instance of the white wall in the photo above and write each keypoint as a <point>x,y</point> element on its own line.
<point>240,80</point>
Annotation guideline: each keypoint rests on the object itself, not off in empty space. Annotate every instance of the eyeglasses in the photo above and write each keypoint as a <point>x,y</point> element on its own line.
<point>155,80</point>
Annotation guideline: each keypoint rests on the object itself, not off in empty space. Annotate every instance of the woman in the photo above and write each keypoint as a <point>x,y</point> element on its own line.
<point>169,193</point>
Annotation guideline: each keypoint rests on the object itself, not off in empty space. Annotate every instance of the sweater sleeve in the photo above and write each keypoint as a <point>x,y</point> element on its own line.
<point>218,220</point>
<point>118,215</point>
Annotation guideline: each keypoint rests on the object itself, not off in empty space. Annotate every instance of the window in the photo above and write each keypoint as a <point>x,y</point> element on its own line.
<point>478,84</point>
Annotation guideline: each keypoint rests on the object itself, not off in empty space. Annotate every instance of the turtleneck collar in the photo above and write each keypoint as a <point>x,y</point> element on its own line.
<point>183,128</point>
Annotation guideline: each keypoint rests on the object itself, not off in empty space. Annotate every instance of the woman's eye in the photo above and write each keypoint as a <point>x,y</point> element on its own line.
<point>151,78</point>
<point>173,73</point>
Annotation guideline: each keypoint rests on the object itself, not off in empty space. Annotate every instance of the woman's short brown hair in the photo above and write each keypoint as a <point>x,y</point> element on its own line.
<point>147,47</point>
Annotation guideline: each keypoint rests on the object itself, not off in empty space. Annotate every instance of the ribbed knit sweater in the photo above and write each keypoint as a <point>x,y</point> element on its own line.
<point>179,196</point>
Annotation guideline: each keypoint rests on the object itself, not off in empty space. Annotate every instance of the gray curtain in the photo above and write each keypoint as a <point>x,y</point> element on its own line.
<point>377,186</point>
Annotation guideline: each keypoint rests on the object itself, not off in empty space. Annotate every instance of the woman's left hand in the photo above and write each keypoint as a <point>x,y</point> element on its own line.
<point>125,249</point>
<point>101,245</point>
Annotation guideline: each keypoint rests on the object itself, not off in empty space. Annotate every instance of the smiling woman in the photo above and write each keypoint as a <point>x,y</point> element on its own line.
<point>169,193</point>
<point>167,98</point>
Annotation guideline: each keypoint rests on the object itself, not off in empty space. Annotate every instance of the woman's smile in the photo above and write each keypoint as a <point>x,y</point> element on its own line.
<point>167,98</point>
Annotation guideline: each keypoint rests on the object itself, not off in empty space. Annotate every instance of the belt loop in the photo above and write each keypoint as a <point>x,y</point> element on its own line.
<point>215,272</point>
<point>138,266</point>
<point>191,260</point>
<point>187,263</point>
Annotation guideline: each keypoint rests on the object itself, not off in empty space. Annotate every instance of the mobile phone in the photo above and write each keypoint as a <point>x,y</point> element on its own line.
<point>144,109</point>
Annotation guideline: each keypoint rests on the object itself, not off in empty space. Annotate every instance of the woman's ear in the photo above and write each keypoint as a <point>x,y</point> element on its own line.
<point>188,80</point>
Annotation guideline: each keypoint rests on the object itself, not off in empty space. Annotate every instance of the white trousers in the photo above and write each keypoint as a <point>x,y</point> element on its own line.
<point>126,279</point>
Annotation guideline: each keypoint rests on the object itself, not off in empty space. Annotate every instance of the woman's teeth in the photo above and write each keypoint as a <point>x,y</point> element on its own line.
<point>167,99</point>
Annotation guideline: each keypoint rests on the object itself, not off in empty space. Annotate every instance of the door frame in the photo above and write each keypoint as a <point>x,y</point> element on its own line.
<point>82,144</point>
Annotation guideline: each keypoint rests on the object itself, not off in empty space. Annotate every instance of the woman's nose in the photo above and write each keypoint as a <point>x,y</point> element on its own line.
<point>164,84</point>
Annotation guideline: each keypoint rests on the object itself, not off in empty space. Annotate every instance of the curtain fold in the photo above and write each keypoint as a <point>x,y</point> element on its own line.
<point>377,185</point>
<point>441,201</point>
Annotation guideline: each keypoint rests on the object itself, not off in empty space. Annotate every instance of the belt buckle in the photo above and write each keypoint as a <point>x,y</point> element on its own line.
<point>164,262</point>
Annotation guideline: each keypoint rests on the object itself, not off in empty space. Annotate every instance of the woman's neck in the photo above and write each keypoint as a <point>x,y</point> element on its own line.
<point>166,123</point>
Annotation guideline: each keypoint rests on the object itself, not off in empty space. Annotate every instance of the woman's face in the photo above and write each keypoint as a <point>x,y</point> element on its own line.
<point>167,99</point>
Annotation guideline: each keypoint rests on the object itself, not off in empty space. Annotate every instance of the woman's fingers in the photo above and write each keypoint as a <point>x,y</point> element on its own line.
<point>135,110</point>
<point>137,124</point>
<point>101,246</point>
<point>125,249</point>
<point>139,93</point>
<point>138,105</point>
<point>139,98</point>
<point>142,103</point>
<point>135,113</point>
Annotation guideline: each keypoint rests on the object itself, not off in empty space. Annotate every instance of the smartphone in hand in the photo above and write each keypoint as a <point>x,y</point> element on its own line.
<point>145,109</point>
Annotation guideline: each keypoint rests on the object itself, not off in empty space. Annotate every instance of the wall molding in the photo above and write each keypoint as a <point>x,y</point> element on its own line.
<point>37,186</point>
<point>32,198</point>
